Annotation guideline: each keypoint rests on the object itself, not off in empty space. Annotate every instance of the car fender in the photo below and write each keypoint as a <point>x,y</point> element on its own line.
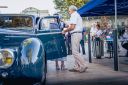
<point>32,58</point>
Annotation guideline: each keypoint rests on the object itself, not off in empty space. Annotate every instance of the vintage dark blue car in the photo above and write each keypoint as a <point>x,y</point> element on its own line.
<point>26,43</point>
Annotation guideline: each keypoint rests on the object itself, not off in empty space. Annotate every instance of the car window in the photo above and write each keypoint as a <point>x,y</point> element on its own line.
<point>49,23</point>
<point>16,22</point>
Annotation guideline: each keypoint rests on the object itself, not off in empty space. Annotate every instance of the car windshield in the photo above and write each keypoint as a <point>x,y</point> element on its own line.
<point>50,23</point>
<point>16,22</point>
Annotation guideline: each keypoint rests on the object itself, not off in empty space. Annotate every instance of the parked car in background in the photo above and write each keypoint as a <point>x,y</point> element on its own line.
<point>26,43</point>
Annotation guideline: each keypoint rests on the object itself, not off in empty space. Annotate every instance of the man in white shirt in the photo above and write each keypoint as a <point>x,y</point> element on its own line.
<point>75,28</point>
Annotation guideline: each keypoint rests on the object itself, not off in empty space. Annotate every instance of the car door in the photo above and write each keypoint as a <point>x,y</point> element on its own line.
<point>52,39</point>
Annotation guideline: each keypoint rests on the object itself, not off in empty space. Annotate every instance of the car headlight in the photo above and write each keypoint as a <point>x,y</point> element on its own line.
<point>6,58</point>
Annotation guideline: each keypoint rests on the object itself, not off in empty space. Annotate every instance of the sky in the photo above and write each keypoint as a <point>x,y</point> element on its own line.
<point>16,6</point>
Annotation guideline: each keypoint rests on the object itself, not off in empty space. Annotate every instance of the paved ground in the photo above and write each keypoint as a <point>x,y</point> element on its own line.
<point>100,72</point>
<point>97,74</point>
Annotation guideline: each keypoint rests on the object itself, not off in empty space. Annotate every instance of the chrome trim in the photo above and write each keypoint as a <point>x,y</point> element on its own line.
<point>49,33</point>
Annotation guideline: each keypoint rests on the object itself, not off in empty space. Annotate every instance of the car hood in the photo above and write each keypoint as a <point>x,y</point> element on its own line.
<point>8,31</point>
<point>11,38</point>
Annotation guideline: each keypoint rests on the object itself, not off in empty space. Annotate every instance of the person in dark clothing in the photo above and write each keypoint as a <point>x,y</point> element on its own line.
<point>125,41</point>
<point>121,30</point>
<point>125,45</point>
<point>82,41</point>
<point>68,43</point>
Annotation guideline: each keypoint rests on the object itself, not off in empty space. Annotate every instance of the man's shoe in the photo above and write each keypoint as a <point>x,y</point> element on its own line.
<point>57,68</point>
<point>63,67</point>
<point>73,70</point>
<point>83,70</point>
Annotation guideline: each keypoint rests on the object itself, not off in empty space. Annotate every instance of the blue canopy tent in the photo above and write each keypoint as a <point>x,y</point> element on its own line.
<point>103,8</point>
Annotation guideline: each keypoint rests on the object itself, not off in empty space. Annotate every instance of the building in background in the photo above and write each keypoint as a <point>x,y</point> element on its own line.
<point>3,7</point>
<point>35,11</point>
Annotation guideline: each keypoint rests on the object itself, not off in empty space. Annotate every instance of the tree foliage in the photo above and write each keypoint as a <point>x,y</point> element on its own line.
<point>62,5</point>
<point>77,3</point>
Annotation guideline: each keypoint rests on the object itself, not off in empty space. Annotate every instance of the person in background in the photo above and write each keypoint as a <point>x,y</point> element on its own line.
<point>108,34</point>
<point>125,40</point>
<point>82,41</point>
<point>54,24</point>
<point>98,52</point>
<point>121,30</point>
<point>62,66</point>
<point>61,25</point>
<point>99,31</point>
<point>76,28</point>
<point>68,39</point>
<point>67,36</point>
<point>93,30</point>
<point>68,43</point>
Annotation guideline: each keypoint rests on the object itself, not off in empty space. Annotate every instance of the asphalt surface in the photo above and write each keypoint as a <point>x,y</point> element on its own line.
<point>100,72</point>
<point>97,74</point>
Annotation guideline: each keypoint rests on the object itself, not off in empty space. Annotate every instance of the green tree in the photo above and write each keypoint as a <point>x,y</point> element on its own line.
<point>62,5</point>
<point>77,3</point>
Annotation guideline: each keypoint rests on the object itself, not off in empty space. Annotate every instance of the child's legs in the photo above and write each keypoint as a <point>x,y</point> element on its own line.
<point>62,63</point>
<point>57,64</point>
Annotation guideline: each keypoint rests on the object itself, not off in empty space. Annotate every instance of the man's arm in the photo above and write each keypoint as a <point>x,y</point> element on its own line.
<point>70,28</point>
<point>73,22</point>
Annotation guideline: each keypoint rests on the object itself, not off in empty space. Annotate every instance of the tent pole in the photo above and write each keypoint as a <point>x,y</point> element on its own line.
<point>89,48</point>
<point>116,14</point>
<point>115,40</point>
